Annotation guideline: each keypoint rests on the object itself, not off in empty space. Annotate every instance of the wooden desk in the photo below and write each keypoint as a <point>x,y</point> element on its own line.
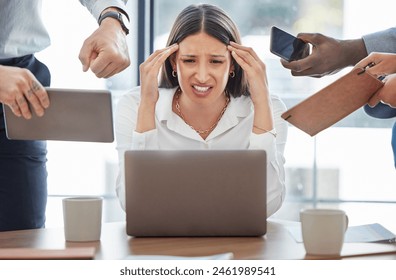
<point>277,244</point>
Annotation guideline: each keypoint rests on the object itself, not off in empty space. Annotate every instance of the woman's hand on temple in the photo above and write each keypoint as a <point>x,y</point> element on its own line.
<point>149,71</point>
<point>256,74</point>
<point>254,68</point>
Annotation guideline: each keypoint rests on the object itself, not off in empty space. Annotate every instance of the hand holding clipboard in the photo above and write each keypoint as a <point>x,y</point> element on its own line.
<point>334,102</point>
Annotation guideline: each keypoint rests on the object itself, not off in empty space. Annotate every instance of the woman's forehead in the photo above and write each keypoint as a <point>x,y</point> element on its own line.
<point>202,43</point>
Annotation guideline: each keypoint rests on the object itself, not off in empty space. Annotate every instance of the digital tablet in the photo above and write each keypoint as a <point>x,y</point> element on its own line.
<point>73,115</point>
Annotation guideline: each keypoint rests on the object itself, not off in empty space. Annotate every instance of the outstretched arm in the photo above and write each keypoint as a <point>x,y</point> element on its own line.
<point>328,55</point>
<point>105,52</point>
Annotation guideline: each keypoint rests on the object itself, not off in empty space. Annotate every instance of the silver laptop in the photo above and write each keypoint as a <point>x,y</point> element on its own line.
<point>73,115</point>
<point>196,193</point>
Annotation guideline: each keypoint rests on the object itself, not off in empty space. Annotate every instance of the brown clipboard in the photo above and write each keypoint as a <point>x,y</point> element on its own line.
<point>334,102</point>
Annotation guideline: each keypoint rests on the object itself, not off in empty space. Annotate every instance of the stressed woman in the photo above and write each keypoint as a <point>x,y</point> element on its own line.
<point>212,94</point>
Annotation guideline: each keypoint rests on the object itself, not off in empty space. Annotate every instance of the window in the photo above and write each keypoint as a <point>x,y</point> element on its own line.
<point>354,157</point>
<point>351,161</point>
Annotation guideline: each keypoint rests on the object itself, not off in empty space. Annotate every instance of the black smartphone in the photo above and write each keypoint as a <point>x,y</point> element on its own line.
<point>287,46</point>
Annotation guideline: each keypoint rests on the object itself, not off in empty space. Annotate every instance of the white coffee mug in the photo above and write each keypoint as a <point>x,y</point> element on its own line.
<point>323,230</point>
<point>82,218</point>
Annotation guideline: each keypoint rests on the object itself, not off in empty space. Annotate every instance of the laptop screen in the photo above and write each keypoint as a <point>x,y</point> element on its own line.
<point>196,193</point>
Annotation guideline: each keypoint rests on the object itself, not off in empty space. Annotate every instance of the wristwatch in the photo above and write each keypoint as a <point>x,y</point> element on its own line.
<point>116,15</point>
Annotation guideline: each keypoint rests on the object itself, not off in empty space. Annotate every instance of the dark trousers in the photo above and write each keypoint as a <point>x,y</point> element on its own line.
<point>23,173</point>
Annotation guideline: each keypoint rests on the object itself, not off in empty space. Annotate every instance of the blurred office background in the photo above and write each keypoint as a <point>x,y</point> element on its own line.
<point>348,166</point>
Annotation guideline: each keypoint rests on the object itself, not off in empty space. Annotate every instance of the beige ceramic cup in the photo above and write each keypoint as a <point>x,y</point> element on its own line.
<point>323,231</point>
<point>82,218</point>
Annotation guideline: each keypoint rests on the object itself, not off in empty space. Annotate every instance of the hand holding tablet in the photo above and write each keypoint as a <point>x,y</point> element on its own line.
<point>73,115</point>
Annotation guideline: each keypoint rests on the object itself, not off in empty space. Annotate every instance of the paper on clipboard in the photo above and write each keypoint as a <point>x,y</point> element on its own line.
<point>334,102</point>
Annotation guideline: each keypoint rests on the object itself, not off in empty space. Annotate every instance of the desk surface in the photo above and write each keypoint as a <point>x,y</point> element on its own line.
<point>277,244</point>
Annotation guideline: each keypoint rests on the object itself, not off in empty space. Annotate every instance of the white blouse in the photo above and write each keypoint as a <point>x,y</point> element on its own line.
<point>234,131</point>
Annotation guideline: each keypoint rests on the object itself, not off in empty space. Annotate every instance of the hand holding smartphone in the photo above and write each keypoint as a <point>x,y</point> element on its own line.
<point>287,46</point>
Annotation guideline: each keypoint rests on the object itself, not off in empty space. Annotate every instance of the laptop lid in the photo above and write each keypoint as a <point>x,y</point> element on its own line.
<point>73,115</point>
<point>196,193</point>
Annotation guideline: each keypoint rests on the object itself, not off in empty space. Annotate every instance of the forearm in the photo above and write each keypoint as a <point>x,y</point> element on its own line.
<point>352,52</point>
<point>263,119</point>
<point>146,117</point>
